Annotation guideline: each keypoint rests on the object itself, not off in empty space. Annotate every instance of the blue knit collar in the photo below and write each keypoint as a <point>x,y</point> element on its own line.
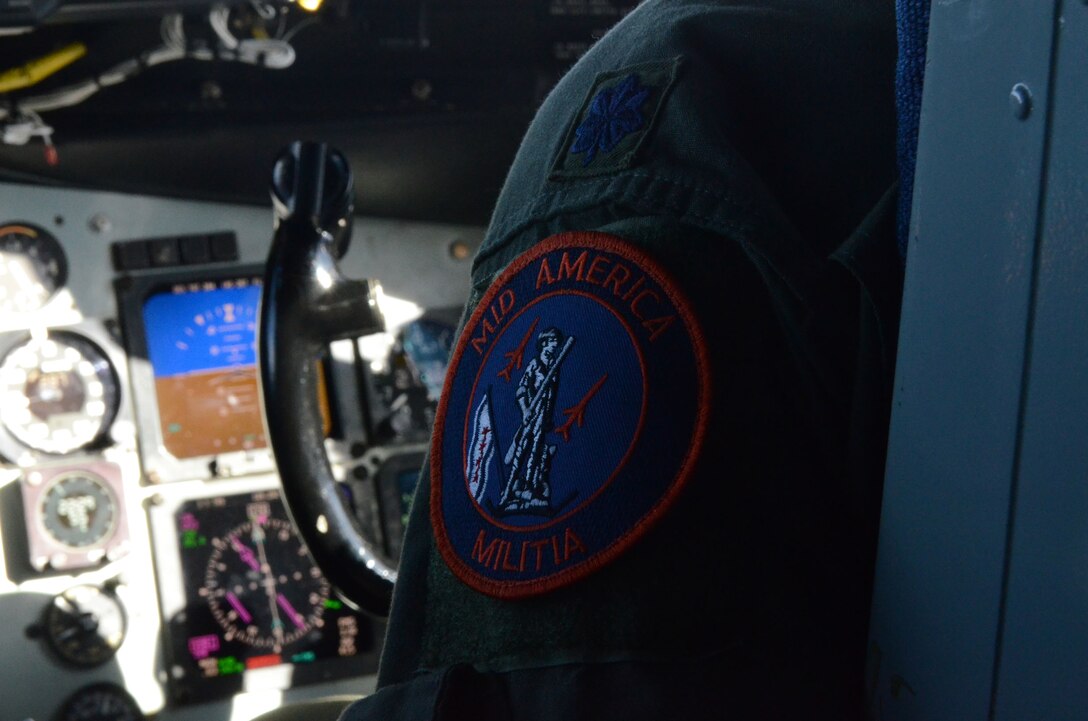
<point>912,21</point>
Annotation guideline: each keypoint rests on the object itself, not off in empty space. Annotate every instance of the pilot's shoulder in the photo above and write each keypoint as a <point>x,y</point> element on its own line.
<point>683,111</point>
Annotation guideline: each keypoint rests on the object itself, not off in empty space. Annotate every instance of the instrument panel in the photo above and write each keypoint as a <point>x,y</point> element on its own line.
<point>149,567</point>
<point>191,340</point>
<point>240,593</point>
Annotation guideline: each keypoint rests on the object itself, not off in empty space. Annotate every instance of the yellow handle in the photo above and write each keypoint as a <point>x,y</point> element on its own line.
<point>41,68</point>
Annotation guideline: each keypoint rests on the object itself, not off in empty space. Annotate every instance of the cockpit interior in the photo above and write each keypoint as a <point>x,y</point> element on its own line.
<point>158,159</point>
<point>138,145</point>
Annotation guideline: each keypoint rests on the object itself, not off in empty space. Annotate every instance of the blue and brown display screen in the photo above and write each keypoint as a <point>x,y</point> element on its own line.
<point>201,341</point>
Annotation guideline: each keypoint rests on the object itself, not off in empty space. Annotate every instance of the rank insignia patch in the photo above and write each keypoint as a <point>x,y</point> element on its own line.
<point>615,120</point>
<point>574,410</point>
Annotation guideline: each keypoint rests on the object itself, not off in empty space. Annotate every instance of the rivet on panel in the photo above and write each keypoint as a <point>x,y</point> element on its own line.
<point>1020,101</point>
<point>100,223</point>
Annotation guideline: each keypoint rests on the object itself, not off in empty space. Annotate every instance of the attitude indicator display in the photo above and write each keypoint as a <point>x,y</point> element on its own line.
<point>254,599</point>
<point>201,340</point>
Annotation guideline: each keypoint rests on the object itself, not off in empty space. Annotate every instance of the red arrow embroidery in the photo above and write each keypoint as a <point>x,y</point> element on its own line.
<point>480,450</point>
<point>577,414</point>
<point>517,355</point>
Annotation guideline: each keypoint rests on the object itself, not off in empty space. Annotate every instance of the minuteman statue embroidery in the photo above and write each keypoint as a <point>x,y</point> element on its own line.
<point>529,458</point>
<point>574,410</point>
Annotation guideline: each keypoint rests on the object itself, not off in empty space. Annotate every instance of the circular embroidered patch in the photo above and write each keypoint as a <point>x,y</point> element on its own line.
<point>574,409</point>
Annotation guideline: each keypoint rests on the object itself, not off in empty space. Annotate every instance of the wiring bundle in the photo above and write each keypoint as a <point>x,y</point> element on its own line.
<point>21,118</point>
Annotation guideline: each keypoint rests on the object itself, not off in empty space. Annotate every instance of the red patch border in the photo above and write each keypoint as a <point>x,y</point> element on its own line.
<point>524,589</point>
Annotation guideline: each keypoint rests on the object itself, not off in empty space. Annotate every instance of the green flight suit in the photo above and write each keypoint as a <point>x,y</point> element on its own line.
<point>759,174</point>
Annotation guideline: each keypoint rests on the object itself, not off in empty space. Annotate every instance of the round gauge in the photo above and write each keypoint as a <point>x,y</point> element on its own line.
<point>57,394</point>
<point>262,587</point>
<point>78,510</point>
<point>100,702</point>
<point>32,268</point>
<point>85,625</point>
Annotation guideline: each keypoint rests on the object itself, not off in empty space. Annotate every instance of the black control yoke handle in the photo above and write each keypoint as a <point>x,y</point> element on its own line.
<point>306,303</point>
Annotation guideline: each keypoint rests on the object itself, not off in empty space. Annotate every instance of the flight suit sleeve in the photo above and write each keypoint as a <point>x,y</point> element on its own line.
<point>679,522</point>
<point>749,566</point>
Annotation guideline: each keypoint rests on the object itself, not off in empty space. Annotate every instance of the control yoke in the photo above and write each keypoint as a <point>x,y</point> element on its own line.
<point>306,303</point>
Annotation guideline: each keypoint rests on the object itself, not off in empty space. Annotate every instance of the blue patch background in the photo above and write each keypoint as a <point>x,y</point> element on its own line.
<point>602,345</point>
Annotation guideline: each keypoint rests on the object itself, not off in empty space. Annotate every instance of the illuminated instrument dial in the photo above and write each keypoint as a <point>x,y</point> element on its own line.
<point>100,702</point>
<point>85,625</point>
<point>79,510</point>
<point>261,585</point>
<point>32,268</point>
<point>57,394</point>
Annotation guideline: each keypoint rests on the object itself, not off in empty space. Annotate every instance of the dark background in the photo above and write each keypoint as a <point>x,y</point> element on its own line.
<point>429,99</point>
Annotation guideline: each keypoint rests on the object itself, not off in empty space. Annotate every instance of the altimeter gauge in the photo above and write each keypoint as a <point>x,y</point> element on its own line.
<point>57,393</point>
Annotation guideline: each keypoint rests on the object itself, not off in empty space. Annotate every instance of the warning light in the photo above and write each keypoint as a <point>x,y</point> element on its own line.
<point>263,661</point>
<point>230,665</point>
<point>310,5</point>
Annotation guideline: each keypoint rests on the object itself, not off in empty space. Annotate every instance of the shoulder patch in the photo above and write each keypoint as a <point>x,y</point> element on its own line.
<point>574,410</point>
<point>614,120</point>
